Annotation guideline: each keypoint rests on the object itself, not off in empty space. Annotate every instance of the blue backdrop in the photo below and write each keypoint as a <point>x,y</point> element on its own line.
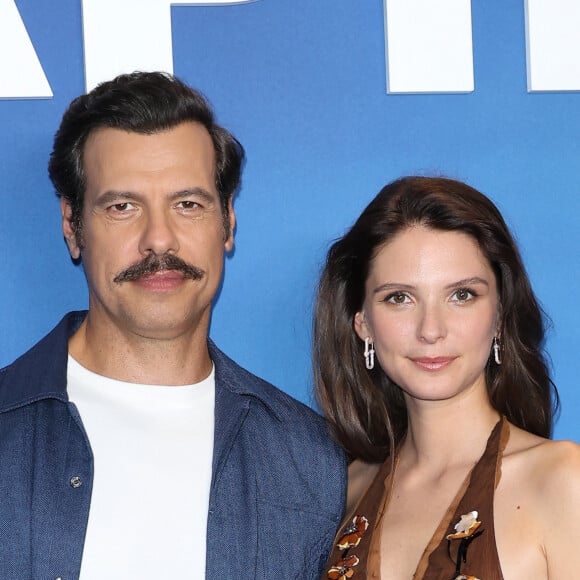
<point>302,84</point>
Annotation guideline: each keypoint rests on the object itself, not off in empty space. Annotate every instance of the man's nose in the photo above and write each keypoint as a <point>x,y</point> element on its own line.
<point>158,236</point>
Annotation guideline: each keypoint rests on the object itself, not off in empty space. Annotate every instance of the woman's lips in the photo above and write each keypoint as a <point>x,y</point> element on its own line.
<point>435,363</point>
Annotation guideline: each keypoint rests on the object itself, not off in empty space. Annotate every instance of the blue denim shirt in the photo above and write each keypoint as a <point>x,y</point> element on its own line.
<point>277,491</point>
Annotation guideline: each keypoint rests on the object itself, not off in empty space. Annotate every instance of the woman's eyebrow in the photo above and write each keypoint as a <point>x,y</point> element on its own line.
<point>468,282</point>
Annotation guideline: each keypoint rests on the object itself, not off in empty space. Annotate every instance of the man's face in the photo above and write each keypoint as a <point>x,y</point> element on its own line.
<point>152,231</point>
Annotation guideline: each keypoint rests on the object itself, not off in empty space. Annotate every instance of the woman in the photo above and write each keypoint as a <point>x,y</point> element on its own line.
<point>429,368</point>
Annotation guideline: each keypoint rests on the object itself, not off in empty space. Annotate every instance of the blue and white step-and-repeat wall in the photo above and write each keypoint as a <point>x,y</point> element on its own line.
<point>332,99</point>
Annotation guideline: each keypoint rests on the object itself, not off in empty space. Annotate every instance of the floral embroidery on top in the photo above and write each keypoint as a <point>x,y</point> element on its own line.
<point>466,530</point>
<point>343,569</point>
<point>466,526</point>
<point>350,538</point>
<point>353,532</point>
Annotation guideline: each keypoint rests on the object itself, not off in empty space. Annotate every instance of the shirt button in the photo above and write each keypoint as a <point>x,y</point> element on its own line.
<point>75,482</point>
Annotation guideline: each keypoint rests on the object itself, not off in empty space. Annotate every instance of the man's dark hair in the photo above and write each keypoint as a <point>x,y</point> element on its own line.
<point>141,102</point>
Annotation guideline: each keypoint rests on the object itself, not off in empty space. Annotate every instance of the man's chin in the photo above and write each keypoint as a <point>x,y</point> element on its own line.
<point>166,324</point>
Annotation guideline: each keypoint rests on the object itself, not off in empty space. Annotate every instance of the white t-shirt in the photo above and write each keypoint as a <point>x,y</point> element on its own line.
<point>153,450</point>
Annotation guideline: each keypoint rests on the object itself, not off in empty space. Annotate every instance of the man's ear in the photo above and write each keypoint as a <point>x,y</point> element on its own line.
<point>229,243</point>
<point>68,229</point>
<point>360,325</point>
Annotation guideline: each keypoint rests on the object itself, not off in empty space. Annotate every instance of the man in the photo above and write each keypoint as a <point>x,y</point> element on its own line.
<point>130,446</point>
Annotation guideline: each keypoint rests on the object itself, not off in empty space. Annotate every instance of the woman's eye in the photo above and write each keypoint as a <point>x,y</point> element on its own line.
<point>463,295</point>
<point>397,298</point>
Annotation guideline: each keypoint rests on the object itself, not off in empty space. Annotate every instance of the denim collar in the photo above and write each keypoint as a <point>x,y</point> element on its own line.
<point>41,373</point>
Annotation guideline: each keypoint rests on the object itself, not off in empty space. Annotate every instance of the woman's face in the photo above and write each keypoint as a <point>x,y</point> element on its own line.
<point>431,308</point>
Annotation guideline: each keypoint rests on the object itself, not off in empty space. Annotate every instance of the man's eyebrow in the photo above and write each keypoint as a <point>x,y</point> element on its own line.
<point>115,196</point>
<point>193,192</point>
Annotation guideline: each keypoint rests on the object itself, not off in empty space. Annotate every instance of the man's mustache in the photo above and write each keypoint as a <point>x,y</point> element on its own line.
<point>154,263</point>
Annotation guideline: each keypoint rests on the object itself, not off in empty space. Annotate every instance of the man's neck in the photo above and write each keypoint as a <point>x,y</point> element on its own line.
<point>127,357</point>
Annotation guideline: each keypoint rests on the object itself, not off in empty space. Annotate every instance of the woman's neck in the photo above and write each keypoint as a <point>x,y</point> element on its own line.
<point>444,434</point>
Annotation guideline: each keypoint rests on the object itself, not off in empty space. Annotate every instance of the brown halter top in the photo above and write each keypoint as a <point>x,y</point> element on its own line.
<point>356,552</point>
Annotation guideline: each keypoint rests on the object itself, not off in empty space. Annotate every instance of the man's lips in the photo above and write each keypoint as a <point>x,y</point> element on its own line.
<point>153,266</point>
<point>161,281</point>
<point>433,363</point>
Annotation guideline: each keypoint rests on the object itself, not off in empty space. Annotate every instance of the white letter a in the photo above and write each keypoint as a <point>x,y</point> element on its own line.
<point>21,74</point>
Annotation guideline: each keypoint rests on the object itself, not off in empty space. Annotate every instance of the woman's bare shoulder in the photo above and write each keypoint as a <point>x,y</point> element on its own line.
<point>360,476</point>
<point>557,465</point>
<point>545,474</point>
<point>551,467</point>
<point>541,453</point>
<point>537,507</point>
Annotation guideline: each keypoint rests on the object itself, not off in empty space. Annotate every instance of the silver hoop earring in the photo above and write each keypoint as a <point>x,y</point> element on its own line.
<point>369,353</point>
<point>496,350</point>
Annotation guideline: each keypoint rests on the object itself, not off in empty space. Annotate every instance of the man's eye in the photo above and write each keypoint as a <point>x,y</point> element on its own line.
<point>121,207</point>
<point>187,204</point>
